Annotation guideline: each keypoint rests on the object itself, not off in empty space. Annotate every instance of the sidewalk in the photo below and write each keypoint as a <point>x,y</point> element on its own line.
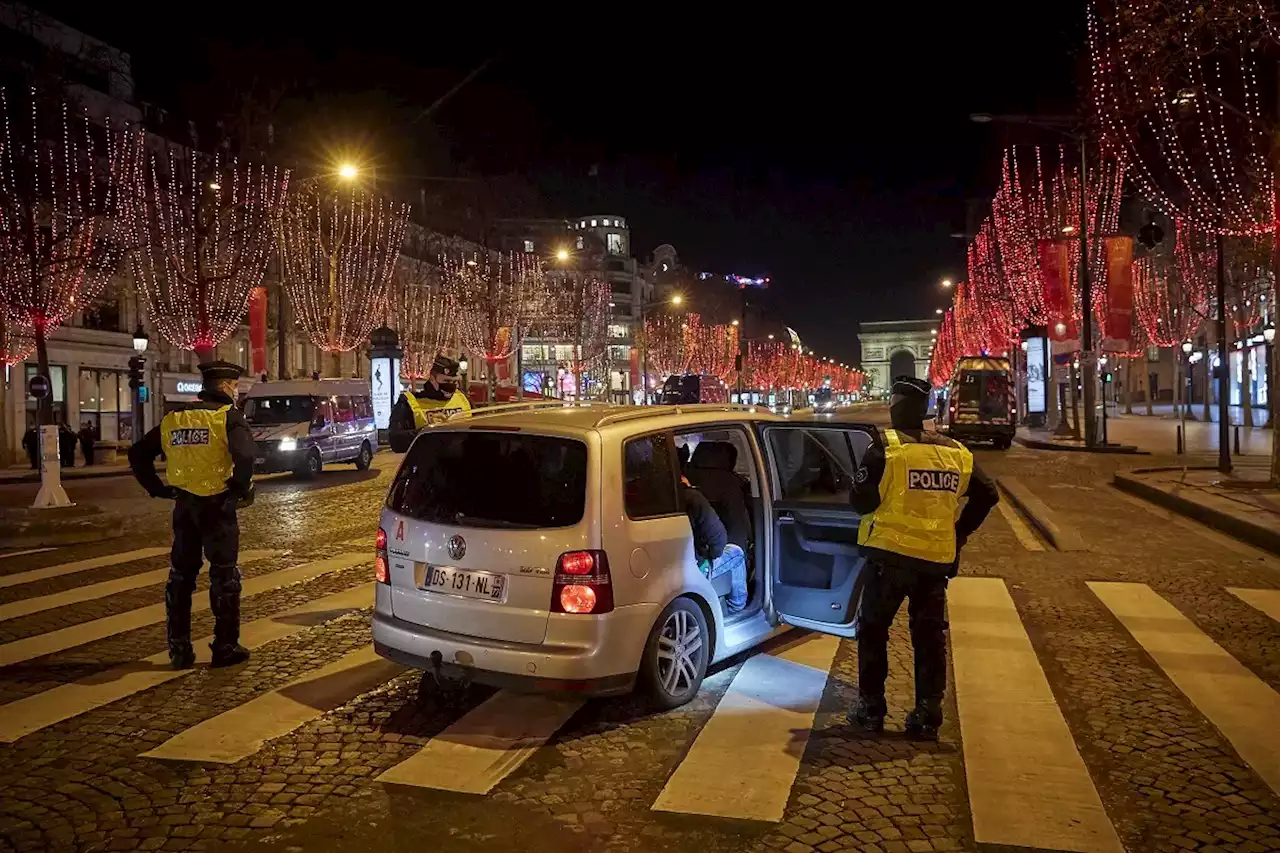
<point>24,474</point>
<point>1241,504</point>
<point>1159,435</point>
<point>1196,412</point>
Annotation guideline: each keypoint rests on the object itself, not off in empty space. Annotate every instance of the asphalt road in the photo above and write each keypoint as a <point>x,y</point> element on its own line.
<point>1118,698</point>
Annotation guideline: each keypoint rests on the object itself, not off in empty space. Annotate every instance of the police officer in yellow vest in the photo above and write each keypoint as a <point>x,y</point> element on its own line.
<point>439,398</point>
<point>210,453</point>
<point>908,492</point>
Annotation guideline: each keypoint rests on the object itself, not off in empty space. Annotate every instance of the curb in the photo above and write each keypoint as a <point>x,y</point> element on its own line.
<point>1123,449</point>
<point>1259,537</point>
<point>1061,538</point>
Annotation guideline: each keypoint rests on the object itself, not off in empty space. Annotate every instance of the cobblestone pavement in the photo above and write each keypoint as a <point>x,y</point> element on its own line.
<point>1168,777</point>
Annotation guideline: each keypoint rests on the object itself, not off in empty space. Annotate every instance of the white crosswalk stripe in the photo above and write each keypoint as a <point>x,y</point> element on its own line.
<point>1241,705</point>
<point>24,553</point>
<point>40,645</point>
<point>33,713</point>
<point>89,592</point>
<point>81,566</point>
<point>1026,781</point>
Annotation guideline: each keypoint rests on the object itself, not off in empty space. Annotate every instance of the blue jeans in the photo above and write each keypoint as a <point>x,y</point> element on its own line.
<point>734,561</point>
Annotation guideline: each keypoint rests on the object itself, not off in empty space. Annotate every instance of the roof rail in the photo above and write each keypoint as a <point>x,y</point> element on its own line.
<point>503,408</point>
<point>627,413</point>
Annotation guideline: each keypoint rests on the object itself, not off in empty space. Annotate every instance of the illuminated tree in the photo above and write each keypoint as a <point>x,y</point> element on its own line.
<point>63,226</point>
<point>340,251</point>
<point>496,298</point>
<point>576,312</point>
<point>667,344</point>
<point>204,227</point>
<point>422,315</point>
<point>714,349</point>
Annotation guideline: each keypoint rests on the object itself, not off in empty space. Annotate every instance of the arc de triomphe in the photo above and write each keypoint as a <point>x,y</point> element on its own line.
<point>896,348</point>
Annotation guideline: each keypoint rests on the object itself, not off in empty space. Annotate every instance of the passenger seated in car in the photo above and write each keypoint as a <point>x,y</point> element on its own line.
<point>716,555</point>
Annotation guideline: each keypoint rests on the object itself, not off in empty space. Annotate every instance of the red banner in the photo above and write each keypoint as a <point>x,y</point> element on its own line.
<point>635,367</point>
<point>1055,261</point>
<point>258,331</point>
<point>1119,324</point>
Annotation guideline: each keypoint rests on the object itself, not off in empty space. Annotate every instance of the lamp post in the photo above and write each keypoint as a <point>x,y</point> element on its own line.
<point>466,378</point>
<point>138,380</point>
<point>1187,347</point>
<point>1269,335</point>
<point>677,299</point>
<point>1067,127</point>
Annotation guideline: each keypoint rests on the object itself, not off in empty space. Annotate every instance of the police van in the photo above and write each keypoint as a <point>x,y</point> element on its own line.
<point>980,403</point>
<point>301,425</point>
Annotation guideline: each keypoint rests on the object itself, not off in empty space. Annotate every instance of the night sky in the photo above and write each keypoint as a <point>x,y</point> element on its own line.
<point>834,155</point>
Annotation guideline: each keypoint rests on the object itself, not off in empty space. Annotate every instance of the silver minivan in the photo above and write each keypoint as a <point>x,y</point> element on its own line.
<point>546,547</point>
<point>301,425</point>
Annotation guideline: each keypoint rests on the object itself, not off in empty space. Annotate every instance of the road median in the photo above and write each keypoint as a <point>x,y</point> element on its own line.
<point>1059,535</point>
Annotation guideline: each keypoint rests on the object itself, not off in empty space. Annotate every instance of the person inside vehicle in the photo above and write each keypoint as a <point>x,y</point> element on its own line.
<point>716,554</point>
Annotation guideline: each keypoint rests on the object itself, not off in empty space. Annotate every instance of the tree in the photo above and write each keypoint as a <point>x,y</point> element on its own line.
<point>62,217</point>
<point>577,312</point>
<point>340,246</point>
<point>496,298</point>
<point>418,308</point>
<point>205,226</point>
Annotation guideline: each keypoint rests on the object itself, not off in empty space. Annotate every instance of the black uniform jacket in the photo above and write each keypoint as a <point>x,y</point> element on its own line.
<point>143,454</point>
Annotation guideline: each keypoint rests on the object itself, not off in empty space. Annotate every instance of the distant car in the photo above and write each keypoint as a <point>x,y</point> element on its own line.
<point>824,402</point>
<point>301,425</point>
<point>684,389</point>
<point>547,548</point>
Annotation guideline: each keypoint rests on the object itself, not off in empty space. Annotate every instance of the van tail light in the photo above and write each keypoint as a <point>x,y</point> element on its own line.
<point>381,571</point>
<point>582,583</point>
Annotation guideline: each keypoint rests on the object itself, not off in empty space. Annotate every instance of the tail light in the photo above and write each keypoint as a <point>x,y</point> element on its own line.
<point>381,571</point>
<point>582,583</point>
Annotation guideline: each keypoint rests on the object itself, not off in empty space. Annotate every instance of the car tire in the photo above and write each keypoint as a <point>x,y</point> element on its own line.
<point>365,459</point>
<point>675,656</point>
<point>311,466</point>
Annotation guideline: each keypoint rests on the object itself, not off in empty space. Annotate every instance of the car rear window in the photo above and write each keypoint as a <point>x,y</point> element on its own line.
<point>493,480</point>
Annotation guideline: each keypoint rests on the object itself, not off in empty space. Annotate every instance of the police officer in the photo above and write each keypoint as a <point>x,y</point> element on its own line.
<point>908,492</point>
<point>439,398</point>
<point>210,454</point>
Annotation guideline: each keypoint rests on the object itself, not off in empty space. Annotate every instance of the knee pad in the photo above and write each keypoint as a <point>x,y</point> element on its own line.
<point>181,580</point>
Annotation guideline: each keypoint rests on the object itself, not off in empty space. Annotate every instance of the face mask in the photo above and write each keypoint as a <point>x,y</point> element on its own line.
<point>448,387</point>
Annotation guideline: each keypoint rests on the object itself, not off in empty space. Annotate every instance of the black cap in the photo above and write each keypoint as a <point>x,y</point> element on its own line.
<point>218,371</point>
<point>445,365</point>
<point>909,386</point>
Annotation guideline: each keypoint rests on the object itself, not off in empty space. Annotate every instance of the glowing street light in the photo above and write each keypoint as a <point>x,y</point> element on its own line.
<point>348,171</point>
<point>734,323</point>
<point>562,255</point>
<point>677,299</point>
<point>937,310</point>
<point>946,282</point>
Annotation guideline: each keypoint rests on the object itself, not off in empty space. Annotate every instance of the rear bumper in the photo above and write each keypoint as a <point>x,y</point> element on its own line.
<point>592,656</point>
<point>982,430</point>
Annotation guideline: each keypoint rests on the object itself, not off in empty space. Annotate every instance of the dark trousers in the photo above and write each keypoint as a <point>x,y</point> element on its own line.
<point>208,526</point>
<point>86,446</point>
<point>926,594</point>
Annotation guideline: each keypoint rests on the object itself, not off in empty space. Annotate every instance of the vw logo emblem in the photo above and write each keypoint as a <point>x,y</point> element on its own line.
<point>457,547</point>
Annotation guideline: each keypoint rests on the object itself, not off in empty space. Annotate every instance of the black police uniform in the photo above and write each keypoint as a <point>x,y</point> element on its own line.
<point>893,577</point>
<point>204,523</point>
<point>402,427</point>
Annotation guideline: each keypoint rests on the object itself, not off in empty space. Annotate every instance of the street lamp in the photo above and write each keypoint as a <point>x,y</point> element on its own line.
<point>946,282</point>
<point>676,299</point>
<point>562,255</point>
<point>1269,335</point>
<point>734,323</point>
<point>348,171</point>
<point>140,340</point>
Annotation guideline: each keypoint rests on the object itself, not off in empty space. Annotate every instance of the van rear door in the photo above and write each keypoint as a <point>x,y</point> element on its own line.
<point>476,521</point>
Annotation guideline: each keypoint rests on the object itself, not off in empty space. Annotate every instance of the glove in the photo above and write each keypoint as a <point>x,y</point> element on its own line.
<point>167,493</point>
<point>246,499</point>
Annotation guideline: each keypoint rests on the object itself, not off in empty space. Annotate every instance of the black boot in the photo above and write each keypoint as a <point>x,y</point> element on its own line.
<point>228,655</point>
<point>177,608</point>
<point>868,713</point>
<point>924,720</point>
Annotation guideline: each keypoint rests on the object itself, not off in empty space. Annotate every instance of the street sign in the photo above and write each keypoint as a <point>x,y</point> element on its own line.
<point>38,387</point>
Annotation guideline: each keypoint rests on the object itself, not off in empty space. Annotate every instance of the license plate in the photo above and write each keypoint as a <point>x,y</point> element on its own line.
<point>261,460</point>
<point>487,586</point>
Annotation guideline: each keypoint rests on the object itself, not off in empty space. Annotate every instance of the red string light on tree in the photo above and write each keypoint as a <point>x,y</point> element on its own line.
<point>340,252</point>
<point>63,221</point>
<point>204,228</point>
<point>421,314</point>
<point>496,298</point>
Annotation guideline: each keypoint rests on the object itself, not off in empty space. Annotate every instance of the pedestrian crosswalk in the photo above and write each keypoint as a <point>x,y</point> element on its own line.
<point>1027,780</point>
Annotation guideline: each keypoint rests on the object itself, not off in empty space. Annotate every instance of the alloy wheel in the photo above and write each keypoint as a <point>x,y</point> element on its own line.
<point>679,649</point>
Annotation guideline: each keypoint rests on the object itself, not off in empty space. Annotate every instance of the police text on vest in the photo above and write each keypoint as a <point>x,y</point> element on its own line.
<point>934,481</point>
<point>188,435</point>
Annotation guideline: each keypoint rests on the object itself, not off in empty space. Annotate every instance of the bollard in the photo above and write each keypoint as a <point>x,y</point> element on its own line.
<point>1237,439</point>
<point>1178,429</point>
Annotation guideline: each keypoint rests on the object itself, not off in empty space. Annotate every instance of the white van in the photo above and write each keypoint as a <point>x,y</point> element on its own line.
<point>301,425</point>
<point>548,548</point>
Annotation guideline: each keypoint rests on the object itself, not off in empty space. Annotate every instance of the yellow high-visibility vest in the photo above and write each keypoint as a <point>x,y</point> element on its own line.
<point>427,411</point>
<point>195,444</point>
<point>919,499</point>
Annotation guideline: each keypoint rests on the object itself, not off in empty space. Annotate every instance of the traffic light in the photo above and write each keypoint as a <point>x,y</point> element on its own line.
<point>137,379</point>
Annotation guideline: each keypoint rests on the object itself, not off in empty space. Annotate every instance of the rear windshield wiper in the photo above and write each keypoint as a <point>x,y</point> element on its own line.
<point>492,522</point>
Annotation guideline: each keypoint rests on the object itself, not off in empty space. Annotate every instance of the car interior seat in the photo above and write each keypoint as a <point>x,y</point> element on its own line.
<point>711,471</point>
